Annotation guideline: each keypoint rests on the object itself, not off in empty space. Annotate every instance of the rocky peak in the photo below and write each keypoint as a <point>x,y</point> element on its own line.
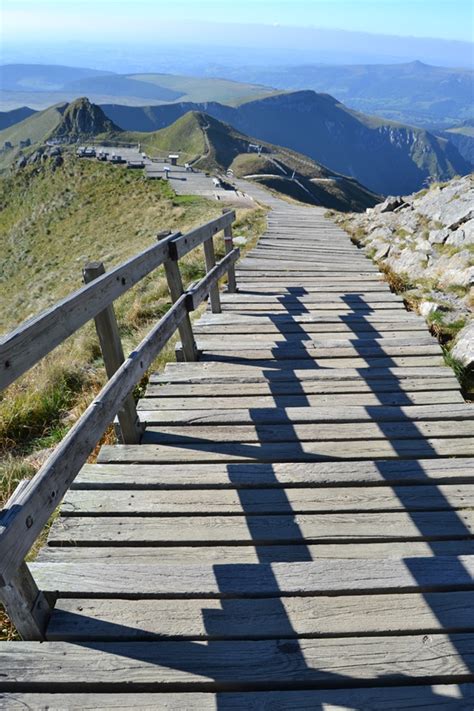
<point>81,119</point>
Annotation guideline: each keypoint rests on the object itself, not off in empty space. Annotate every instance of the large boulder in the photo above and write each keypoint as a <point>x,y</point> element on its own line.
<point>463,349</point>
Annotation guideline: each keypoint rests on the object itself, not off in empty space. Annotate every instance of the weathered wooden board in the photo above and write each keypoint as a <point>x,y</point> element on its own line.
<point>196,405</point>
<point>323,577</point>
<point>197,452</point>
<point>238,664</point>
<point>301,349</point>
<point>293,432</point>
<point>268,501</point>
<point>269,529</point>
<point>442,697</point>
<point>255,475</point>
<point>307,359</point>
<point>263,618</point>
<point>158,389</point>
<point>231,555</point>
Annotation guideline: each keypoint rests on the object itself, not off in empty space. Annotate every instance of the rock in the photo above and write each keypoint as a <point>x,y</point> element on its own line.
<point>57,161</point>
<point>390,204</point>
<point>21,162</point>
<point>427,308</point>
<point>463,236</point>
<point>439,236</point>
<point>463,349</point>
<point>382,252</point>
<point>408,262</point>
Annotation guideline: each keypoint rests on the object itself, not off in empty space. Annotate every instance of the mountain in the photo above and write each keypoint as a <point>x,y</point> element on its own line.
<point>413,92</point>
<point>212,145</point>
<point>462,136</point>
<point>42,77</point>
<point>40,86</point>
<point>386,157</point>
<point>10,118</point>
<point>63,122</point>
<point>79,120</point>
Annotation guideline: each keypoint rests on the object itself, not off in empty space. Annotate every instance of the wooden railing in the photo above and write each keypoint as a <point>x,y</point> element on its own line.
<point>31,505</point>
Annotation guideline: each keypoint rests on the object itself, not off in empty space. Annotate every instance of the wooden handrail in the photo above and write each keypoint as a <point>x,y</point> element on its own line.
<point>22,348</point>
<point>33,502</point>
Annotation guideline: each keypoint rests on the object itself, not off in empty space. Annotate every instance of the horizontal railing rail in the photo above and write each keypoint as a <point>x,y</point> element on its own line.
<point>21,349</point>
<point>32,504</point>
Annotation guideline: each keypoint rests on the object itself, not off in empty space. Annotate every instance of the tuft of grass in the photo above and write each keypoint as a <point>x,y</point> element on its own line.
<point>399,283</point>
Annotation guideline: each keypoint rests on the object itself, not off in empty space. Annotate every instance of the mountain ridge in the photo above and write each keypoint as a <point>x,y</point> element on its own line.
<point>386,156</point>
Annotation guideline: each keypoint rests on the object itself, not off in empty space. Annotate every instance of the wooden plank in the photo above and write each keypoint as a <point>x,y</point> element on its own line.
<point>295,351</point>
<point>288,331</point>
<point>195,405</point>
<point>295,432</point>
<point>264,618</point>
<point>231,555</point>
<point>265,530</point>
<point>273,371</point>
<point>441,697</point>
<point>291,416</point>
<point>21,524</point>
<point>196,452</point>
<point>258,358</point>
<point>163,390</point>
<point>267,501</point>
<point>346,345</point>
<point>322,577</point>
<point>250,476</point>
<point>237,665</point>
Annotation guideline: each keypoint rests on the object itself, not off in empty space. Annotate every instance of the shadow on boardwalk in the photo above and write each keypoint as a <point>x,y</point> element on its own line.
<point>214,656</point>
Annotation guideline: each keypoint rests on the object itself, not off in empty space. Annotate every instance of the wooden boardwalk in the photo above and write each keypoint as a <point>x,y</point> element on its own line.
<point>295,530</point>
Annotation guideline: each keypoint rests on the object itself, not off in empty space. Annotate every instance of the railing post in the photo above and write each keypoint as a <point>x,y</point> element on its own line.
<point>210,259</point>
<point>25,604</point>
<point>189,350</point>
<point>112,352</point>
<point>229,246</point>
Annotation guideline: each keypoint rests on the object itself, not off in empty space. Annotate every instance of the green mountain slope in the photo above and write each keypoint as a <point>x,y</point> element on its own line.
<point>387,157</point>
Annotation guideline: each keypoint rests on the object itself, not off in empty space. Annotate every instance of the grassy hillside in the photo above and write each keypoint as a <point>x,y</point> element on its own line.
<point>81,211</point>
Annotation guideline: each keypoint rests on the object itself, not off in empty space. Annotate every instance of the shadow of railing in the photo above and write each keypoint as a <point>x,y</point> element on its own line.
<point>211,661</point>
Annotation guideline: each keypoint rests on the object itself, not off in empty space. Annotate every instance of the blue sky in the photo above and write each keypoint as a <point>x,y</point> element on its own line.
<point>449,19</point>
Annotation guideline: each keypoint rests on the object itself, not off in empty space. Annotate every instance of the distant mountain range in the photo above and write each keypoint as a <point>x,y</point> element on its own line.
<point>414,93</point>
<point>386,157</point>
<point>417,93</point>
<point>40,86</point>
